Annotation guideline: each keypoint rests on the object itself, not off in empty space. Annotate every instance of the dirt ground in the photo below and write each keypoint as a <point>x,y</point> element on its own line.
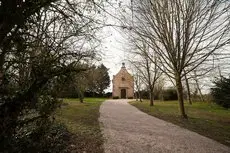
<point>128,130</point>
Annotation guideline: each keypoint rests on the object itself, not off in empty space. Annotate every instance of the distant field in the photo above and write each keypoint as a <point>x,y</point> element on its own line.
<point>207,119</point>
<point>82,120</point>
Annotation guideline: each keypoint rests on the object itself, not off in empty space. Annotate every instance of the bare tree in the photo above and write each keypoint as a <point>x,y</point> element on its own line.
<point>138,82</point>
<point>182,33</point>
<point>147,68</point>
<point>198,78</point>
<point>188,89</point>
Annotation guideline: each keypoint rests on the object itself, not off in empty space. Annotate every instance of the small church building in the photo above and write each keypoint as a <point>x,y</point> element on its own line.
<point>123,84</point>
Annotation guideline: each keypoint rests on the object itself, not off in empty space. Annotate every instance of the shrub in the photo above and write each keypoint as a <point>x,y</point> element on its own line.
<point>130,97</point>
<point>169,94</point>
<point>41,136</point>
<point>115,97</point>
<point>35,129</point>
<point>220,92</point>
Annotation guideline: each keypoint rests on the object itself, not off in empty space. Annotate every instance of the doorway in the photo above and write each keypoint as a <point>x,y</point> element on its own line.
<point>123,93</point>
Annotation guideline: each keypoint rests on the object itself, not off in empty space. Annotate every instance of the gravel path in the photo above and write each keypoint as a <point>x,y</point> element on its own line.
<point>128,130</point>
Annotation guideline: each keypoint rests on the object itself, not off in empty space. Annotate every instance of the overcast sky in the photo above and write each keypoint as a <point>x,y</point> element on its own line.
<point>114,44</point>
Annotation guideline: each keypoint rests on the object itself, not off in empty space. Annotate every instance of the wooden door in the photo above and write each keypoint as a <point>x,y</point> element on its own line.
<point>123,93</point>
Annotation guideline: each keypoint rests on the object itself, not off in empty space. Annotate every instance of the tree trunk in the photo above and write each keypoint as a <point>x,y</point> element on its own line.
<point>188,90</point>
<point>180,96</point>
<point>2,60</point>
<point>93,94</point>
<point>199,90</point>
<point>201,95</point>
<point>101,92</point>
<point>81,97</point>
<point>198,87</point>
<point>151,98</point>
<point>139,93</point>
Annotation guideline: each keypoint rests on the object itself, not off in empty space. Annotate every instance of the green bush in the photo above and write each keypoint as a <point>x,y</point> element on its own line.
<point>221,92</point>
<point>35,129</point>
<point>115,97</point>
<point>169,94</point>
<point>41,136</point>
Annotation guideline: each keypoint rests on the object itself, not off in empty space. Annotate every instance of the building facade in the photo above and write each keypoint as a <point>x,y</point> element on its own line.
<point>123,84</point>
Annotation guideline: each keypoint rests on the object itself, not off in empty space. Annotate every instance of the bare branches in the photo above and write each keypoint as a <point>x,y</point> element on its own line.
<point>183,34</point>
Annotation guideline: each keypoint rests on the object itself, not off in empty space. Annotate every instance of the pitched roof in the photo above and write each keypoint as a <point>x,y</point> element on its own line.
<point>123,71</point>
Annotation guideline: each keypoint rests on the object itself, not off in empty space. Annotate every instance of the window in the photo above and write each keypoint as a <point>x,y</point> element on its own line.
<point>123,79</point>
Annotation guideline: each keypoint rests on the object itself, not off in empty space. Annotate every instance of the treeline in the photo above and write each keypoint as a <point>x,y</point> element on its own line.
<point>164,95</point>
<point>171,94</point>
<point>90,83</point>
<point>72,94</point>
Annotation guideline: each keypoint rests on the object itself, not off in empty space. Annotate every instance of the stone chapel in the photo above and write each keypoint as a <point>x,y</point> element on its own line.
<point>123,84</point>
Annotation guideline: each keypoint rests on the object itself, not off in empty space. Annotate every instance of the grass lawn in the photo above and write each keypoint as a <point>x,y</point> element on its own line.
<point>81,119</point>
<point>207,119</point>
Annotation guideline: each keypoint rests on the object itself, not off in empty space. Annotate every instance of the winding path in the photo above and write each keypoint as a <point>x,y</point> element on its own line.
<point>128,130</point>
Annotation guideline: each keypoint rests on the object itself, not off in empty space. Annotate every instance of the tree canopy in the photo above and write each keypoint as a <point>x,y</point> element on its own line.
<point>42,43</point>
<point>220,92</point>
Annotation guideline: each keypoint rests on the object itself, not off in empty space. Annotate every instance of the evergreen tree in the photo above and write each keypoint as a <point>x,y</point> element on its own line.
<point>220,92</point>
<point>103,81</point>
